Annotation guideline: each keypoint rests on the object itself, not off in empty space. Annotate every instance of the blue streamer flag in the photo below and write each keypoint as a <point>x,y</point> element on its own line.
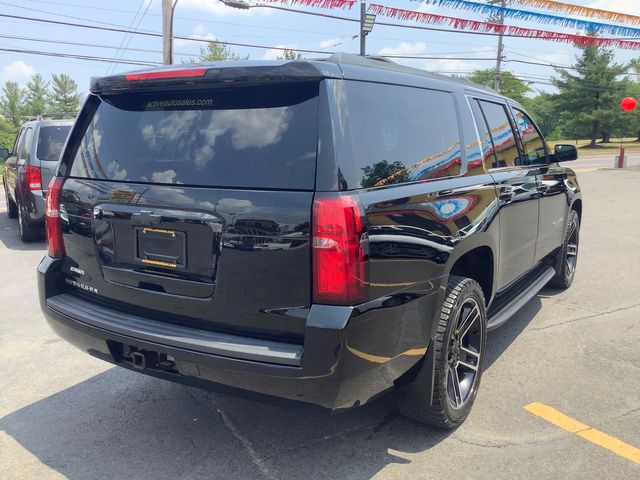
<point>526,15</point>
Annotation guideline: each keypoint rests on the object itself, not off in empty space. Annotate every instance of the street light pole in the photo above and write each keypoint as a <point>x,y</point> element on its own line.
<point>167,30</point>
<point>498,79</point>
<point>363,35</point>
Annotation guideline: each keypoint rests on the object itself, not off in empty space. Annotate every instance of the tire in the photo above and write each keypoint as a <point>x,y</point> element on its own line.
<point>431,398</point>
<point>12,208</point>
<point>28,233</point>
<point>567,260</point>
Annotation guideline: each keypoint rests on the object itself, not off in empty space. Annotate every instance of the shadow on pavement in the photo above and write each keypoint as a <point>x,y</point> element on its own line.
<point>500,339</point>
<point>122,424</point>
<point>9,236</point>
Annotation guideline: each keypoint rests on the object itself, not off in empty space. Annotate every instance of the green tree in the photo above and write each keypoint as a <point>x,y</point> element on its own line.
<point>289,55</point>
<point>12,103</point>
<point>37,96</point>
<point>385,173</point>
<point>589,97</point>
<point>216,52</point>
<point>7,133</point>
<point>543,110</point>
<point>510,85</point>
<point>64,93</point>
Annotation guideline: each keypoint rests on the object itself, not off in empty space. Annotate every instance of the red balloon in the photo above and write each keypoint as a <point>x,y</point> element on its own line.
<point>629,104</point>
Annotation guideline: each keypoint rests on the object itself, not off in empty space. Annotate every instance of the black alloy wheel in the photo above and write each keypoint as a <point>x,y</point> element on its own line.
<point>445,387</point>
<point>464,355</point>
<point>567,260</point>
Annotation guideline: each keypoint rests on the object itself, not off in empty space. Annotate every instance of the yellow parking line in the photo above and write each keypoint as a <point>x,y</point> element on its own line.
<point>592,435</point>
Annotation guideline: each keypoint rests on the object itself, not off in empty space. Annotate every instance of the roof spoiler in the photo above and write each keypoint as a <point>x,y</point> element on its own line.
<point>213,75</point>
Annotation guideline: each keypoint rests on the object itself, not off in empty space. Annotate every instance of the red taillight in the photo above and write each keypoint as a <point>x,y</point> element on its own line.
<point>338,256</point>
<point>177,73</point>
<point>55,244</point>
<point>34,178</point>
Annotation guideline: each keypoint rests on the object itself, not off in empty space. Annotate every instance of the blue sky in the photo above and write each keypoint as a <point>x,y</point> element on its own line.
<point>210,19</point>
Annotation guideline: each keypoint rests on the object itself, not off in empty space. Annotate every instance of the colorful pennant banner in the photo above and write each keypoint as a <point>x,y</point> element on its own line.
<point>488,9</point>
<point>588,12</point>
<point>477,26</point>
<point>314,3</point>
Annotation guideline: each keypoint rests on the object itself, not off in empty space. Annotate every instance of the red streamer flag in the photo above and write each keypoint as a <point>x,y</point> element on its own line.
<point>478,26</point>
<point>314,3</point>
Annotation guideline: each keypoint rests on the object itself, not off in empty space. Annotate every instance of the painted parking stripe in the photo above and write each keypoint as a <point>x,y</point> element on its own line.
<point>592,435</point>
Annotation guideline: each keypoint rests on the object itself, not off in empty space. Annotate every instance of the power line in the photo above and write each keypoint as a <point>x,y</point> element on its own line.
<point>125,35</point>
<point>82,44</point>
<point>78,57</point>
<point>131,34</point>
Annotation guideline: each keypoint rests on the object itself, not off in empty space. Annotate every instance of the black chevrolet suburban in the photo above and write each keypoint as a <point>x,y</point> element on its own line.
<point>323,231</point>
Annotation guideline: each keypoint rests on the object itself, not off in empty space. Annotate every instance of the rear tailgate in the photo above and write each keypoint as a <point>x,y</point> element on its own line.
<point>194,207</point>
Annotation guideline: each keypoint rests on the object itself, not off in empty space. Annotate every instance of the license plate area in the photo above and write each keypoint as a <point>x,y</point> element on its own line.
<point>160,247</point>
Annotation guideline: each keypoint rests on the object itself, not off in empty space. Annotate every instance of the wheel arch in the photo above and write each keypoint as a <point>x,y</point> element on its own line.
<point>577,206</point>
<point>478,260</point>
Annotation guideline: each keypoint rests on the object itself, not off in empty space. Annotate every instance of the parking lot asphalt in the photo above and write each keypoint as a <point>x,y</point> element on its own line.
<point>66,414</point>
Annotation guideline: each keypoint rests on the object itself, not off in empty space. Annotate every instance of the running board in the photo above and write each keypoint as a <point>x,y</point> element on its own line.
<point>510,309</point>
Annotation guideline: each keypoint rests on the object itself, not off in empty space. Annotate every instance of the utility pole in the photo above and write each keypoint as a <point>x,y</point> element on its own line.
<point>167,30</point>
<point>500,48</point>
<point>363,35</point>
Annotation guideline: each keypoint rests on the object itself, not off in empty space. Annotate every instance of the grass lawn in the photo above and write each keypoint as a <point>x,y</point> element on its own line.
<point>630,145</point>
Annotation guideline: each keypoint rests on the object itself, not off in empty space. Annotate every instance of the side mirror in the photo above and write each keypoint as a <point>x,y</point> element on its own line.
<point>565,153</point>
<point>4,153</point>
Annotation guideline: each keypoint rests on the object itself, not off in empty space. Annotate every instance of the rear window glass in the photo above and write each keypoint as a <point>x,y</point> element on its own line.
<point>252,137</point>
<point>402,134</point>
<point>50,142</point>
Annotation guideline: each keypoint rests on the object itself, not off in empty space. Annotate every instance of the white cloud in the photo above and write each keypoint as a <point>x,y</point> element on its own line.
<point>330,43</point>
<point>556,58</point>
<point>17,71</point>
<point>274,53</point>
<point>623,6</point>
<point>449,66</point>
<point>405,48</point>
<point>199,32</point>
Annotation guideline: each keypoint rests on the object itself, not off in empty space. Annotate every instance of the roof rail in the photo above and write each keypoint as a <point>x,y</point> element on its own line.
<point>45,116</point>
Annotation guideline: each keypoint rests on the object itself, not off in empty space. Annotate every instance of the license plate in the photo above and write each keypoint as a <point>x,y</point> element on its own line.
<point>160,247</point>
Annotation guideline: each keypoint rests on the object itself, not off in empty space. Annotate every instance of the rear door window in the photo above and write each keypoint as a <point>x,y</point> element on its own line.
<point>402,134</point>
<point>250,137</point>
<point>502,134</point>
<point>50,142</point>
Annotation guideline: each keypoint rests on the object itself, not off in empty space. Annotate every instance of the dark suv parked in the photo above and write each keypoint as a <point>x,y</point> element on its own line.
<point>29,169</point>
<point>322,231</point>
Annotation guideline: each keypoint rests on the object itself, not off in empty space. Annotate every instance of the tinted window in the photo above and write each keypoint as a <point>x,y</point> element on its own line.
<point>26,143</point>
<point>534,146</point>
<point>253,137</point>
<point>17,141</point>
<point>50,142</point>
<point>503,138</point>
<point>402,134</point>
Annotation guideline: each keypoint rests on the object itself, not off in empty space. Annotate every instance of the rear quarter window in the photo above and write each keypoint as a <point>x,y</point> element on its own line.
<point>402,134</point>
<point>250,137</point>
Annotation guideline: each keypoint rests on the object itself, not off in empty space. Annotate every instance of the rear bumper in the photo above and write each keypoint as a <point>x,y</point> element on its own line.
<point>350,355</point>
<point>35,205</point>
